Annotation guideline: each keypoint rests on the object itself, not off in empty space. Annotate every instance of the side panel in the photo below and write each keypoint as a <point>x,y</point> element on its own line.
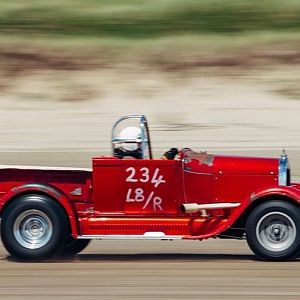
<point>108,190</point>
<point>235,188</point>
<point>74,184</point>
<point>197,187</point>
<point>49,191</point>
<point>198,177</point>
<point>137,187</point>
<point>67,187</point>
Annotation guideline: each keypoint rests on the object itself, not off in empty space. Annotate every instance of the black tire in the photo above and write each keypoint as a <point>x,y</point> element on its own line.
<point>34,227</point>
<point>74,246</point>
<point>273,231</point>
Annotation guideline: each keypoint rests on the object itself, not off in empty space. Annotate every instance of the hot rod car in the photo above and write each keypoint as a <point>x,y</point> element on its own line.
<point>47,212</point>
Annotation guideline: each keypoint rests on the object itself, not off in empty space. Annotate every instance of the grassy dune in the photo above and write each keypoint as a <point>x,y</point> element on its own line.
<point>174,34</point>
<point>141,19</point>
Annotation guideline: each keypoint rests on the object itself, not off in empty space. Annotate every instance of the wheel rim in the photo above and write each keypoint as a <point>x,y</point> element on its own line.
<point>276,231</point>
<point>33,229</point>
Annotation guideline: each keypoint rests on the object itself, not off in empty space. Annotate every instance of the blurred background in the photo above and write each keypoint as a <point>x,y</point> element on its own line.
<point>213,75</point>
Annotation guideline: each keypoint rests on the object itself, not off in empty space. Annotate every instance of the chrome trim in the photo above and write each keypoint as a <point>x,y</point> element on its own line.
<point>129,141</point>
<point>130,237</point>
<point>32,229</point>
<point>195,207</point>
<point>283,167</point>
<point>197,173</point>
<point>276,231</point>
<point>203,157</point>
<point>76,192</point>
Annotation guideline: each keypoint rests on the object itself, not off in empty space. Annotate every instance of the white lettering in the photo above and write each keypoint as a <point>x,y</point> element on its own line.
<point>157,201</point>
<point>157,180</point>
<point>130,177</point>
<point>145,175</point>
<point>137,195</point>
<point>128,197</point>
<point>148,200</point>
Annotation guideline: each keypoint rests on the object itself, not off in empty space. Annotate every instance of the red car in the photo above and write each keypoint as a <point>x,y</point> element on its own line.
<point>47,212</point>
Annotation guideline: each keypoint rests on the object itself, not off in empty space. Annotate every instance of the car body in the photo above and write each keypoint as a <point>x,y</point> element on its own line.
<point>56,211</point>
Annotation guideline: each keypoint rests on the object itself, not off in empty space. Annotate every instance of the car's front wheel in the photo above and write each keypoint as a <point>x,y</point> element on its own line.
<point>34,227</point>
<point>273,230</point>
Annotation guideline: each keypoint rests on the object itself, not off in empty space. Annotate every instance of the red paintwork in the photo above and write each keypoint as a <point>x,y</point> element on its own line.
<point>108,204</point>
<point>56,184</point>
<point>109,178</point>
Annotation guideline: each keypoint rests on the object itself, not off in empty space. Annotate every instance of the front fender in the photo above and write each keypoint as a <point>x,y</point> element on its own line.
<point>291,192</point>
<point>47,190</point>
<point>282,192</point>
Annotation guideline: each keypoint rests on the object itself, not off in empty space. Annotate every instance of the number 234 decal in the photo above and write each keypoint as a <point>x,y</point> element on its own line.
<point>144,175</point>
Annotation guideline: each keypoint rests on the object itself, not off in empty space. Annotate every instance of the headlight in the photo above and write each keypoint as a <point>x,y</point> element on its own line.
<point>284,170</point>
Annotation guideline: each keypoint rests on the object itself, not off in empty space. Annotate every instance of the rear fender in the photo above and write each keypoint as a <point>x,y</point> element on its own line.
<point>47,190</point>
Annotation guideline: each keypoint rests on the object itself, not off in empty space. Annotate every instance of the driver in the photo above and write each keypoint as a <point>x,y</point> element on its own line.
<point>133,149</point>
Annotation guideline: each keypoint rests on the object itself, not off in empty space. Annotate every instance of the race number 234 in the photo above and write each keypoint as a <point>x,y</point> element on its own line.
<point>137,195</point>
<point>143,175</point>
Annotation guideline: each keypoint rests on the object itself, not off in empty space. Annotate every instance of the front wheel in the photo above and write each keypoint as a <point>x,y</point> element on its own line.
<point>34,227</point>
<point>273,231</point>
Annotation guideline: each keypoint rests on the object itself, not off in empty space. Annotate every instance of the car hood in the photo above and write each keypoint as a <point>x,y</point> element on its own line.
<point>234,165</point>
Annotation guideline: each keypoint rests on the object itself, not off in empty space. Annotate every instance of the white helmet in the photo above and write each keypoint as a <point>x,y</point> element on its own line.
<point>130,133</point>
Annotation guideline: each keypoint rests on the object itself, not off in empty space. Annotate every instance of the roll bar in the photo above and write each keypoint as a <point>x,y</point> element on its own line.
<point>144,140</point>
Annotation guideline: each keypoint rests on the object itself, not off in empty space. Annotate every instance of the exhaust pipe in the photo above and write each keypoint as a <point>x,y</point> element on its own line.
<point>194,207</point>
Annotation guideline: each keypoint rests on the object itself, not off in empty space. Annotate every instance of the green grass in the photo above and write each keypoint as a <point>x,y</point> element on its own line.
<point>141,19</point>
<point>155,32</point>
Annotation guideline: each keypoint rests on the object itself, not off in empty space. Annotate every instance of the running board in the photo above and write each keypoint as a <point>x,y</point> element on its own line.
<point>145,236</point>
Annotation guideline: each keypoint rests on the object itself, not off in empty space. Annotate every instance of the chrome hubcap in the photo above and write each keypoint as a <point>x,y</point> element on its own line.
<point>33,229</point>
<point>276,231</point>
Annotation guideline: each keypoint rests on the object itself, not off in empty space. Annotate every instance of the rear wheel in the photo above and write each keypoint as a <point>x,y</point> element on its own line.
<point>34,227</point>
<point>74,246</point>
<point>273,230</point>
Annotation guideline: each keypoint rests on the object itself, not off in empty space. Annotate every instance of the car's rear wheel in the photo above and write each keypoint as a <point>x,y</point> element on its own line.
<point>74,246</point>
<point>273,230</point>
<point>34,227</point>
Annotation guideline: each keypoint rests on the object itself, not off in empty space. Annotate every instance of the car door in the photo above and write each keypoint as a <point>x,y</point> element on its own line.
<point>137,187</point>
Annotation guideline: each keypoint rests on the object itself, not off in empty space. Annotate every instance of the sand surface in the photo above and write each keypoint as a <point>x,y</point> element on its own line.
<point>74,111</point>
<point>214,269</point>
<point>44,123</point>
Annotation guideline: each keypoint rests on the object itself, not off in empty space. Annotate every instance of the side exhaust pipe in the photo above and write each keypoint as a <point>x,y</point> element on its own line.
<point>194,207</point>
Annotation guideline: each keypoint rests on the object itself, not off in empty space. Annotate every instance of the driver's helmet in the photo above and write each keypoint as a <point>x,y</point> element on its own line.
<point>130,133</point>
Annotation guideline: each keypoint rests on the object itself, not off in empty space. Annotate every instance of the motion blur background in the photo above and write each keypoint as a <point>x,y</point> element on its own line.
<point>213,75</point>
